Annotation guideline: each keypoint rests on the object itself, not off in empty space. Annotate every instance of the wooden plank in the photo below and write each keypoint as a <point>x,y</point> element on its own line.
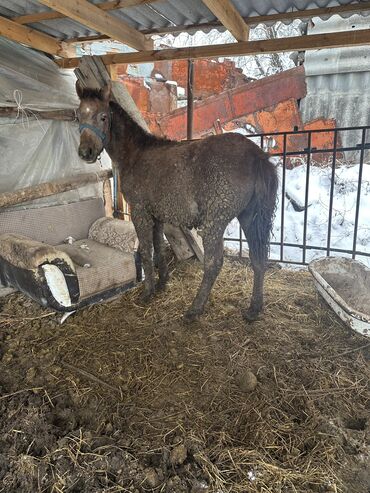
<point>229,16</point>
<point>49,15</point>
<point>66,115</point>
<point>89,15</point>
<point>51,188</point>
<point>32,38</point>
<point>178,242</point>
<point>108,201</point>
<point>194,241</point>
<point>280,45</point>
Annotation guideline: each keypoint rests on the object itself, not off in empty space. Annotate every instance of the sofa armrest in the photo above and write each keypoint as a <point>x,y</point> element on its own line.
<point>115,233</point>
<point>25,253</point>
<point>39,270</point>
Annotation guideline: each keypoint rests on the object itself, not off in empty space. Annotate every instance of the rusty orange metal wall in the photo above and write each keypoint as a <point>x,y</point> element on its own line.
<point>139,93</point>
<point>210,77</point>
<point>161,98</point>
<point>243,100</point>
<point>282,116</point>
<point>239,102</point>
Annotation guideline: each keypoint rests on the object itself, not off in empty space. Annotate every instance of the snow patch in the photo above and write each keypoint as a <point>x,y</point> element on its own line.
<point>343,213</point>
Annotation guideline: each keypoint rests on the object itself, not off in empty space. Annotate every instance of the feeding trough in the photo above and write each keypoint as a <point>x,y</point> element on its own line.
<point>345,285</point>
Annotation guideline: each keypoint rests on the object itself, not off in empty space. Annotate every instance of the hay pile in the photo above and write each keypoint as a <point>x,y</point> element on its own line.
<point>125,397</point>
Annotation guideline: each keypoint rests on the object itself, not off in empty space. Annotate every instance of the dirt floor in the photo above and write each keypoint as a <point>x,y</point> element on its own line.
<point>126,398</point>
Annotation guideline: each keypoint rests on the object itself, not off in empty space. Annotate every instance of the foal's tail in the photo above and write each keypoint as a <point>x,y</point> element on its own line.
<point>264,205</point>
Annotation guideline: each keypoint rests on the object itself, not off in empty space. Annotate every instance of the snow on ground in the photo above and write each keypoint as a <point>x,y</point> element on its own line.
<point>343,216</point>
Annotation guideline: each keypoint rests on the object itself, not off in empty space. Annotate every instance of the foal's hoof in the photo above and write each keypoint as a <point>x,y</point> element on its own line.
<point>160,286</point>
<point>250,315</point>
<point>146,296</point>
<point>190,316</point>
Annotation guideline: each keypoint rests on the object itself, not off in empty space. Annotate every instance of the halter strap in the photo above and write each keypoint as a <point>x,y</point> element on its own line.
<point>102,136</point>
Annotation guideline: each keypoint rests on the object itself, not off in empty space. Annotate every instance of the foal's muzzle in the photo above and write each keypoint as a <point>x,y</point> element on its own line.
<point>87,153</point>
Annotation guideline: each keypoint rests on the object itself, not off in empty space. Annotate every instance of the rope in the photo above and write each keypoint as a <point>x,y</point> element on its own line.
<point>23,111</point>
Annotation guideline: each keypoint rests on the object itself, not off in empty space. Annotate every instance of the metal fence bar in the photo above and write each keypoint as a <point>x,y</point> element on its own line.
<point>358,200</point>
<point>283,201</point>
<point>308,247</point>
<point>240,242</point>
<point>331,193</point>
<point>313,130</point>
<point>306,197</point>
<point>314,150</point>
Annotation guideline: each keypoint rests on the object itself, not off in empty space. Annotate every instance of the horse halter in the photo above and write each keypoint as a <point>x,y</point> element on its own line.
<point>99,133</point>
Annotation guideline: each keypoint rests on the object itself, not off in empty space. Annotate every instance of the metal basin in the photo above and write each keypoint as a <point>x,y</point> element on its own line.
<point>345,285</point>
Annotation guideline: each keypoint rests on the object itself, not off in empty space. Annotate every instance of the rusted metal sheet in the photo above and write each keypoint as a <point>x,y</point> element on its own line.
<point>323,140</point>
<point>243,100</point>
<point>210,77</point>
<point>139,93</point>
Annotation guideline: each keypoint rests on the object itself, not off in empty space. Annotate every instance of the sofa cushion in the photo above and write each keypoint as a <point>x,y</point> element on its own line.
<point>105,267</point>
<point>115,233</point>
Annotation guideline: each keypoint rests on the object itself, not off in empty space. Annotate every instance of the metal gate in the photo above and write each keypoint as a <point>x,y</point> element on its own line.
<point>329,153</point>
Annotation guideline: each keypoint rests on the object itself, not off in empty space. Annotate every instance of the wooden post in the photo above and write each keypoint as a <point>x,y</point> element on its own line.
<point>52,188</point>
<point>190,100</point>
<point>108,202</point>
<point>123,97</point>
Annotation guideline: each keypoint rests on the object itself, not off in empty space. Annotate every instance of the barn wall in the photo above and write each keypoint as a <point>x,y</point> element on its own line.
<point>338,79</point>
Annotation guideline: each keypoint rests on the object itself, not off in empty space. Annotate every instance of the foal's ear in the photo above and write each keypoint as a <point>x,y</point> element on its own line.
<point>106,91</point>
<point>79,89</point>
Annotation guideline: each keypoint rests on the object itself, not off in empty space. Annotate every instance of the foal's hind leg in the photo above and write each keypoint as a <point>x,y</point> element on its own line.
<point>144,229</point>
<point>258,258</point>
<point>213,244</point>
<point>159,252</point>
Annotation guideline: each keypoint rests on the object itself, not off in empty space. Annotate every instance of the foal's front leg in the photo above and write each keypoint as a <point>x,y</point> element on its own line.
<point>160,255</point>
<point>144,225</point>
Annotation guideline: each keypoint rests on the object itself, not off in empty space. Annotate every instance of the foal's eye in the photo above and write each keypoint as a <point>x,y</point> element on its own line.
<point>103,117</point>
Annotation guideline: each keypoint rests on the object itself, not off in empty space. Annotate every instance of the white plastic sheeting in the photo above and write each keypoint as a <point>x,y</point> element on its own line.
<point>41,84</point>
<point>33,150</point>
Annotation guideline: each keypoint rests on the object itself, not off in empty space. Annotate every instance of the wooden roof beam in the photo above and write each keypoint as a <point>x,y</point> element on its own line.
<point>229,16</point>
<point>45,16</point>
<point>89,15</point>
<point>32,38</point>
<point>279,45</point>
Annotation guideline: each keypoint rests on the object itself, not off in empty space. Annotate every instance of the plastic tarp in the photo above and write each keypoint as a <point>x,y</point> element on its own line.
<point>32,150</point>
<point>42,85</point>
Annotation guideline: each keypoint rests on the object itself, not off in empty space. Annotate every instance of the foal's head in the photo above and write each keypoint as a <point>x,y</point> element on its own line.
<point>94,118</point>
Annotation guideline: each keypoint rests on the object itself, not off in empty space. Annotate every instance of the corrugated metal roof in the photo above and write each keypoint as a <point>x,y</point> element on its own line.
<point>161,14</point>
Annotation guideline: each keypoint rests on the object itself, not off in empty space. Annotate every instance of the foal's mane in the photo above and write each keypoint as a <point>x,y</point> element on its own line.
<point>136,131</point>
